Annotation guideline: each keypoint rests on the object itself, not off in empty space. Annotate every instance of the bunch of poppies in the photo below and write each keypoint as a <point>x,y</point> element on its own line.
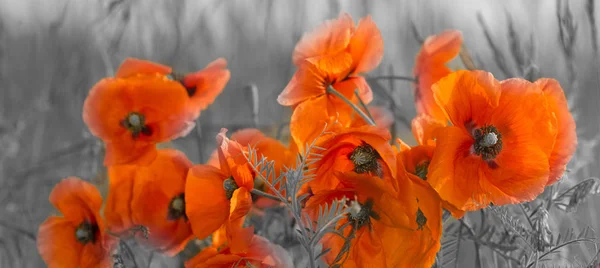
<point>480,142</point>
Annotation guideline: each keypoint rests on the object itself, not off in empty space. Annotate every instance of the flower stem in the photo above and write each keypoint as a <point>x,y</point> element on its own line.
<point>331,90</point>
<point>364,106</point>
<point>394,77</point>
<point>263,194</point>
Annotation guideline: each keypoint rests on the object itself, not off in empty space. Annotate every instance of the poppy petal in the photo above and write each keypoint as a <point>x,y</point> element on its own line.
<point>133,66</point>
<point>76,199</point>
<point>453,169</point>
<point>424,128</point>
<point>117,211</point>
<point>139,153</point>
<point>209,83</point>
<point>566,139</point>
<point>366,46</point>
<point>466,96</point>
<point>313,76</point>
<point>328,38</point>
<point>57,244</point>
<point>368,249</point>
<point>207,206</point>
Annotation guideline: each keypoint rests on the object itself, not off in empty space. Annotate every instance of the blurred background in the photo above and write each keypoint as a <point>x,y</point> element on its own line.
<point>53,52</point>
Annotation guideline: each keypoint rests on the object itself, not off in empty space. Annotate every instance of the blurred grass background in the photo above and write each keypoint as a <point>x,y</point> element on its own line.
<point>52,52</point>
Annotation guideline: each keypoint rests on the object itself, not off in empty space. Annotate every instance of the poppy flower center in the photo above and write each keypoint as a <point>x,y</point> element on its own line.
<point>136,124</point>
<point>421,219</point>
<point>230,186</point>
<point>179,78</point>
<point>488,142</point>
<point>360,214</point>
<point>364,157</point>
<point>422,169</point>
<point>86,232</point>
<point>177,207</point>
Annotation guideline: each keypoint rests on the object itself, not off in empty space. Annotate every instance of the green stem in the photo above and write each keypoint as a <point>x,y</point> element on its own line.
<point>356,108</point>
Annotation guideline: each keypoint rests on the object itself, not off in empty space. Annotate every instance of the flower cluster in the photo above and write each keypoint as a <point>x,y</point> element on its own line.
<point>480,142</point>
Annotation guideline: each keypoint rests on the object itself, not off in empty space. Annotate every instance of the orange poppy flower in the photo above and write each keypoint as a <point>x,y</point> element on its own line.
<point>498,146</point>
<point>333,55</point>
<point>78,239</point>
<point>260,253</point>
<point>380,219</point>
<point>129,115</point>
<point>566,138</point>
<point>217,196</point>
<point>365,150</point>
<point>430,67</point>
<point>152,196</point>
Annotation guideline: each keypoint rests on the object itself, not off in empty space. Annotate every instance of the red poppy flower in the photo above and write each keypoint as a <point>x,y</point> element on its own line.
<point>217,196</point>
<point>430,66</point>
<point>152,196</point>
<point>129,115</point>
<point>333,55</point>
<point>78,239</point>
<point>498,146</point>
<point>566,138</point>
<point>364,150</point>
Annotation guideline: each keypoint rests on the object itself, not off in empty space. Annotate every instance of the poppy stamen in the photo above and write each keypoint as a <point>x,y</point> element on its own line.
<point>230,186</point>
<point>422,169</point>
<point>177,208</point>
<point>360,214</point>
<point>136,123</point>
<point>488,142</point>
<point>86,232</point>
<point>364,157</point>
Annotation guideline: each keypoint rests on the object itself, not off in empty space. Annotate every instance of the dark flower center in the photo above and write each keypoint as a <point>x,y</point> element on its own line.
<point>421,219</point>
<point>360,214</point>
<point>422,169</point>
<point>136,124</point>
<point>488,142</point>
<point>364,157</point>
<point>179,78</point>
<point>177,208</point>
<point>86,232</point>
<point>230,186</point>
